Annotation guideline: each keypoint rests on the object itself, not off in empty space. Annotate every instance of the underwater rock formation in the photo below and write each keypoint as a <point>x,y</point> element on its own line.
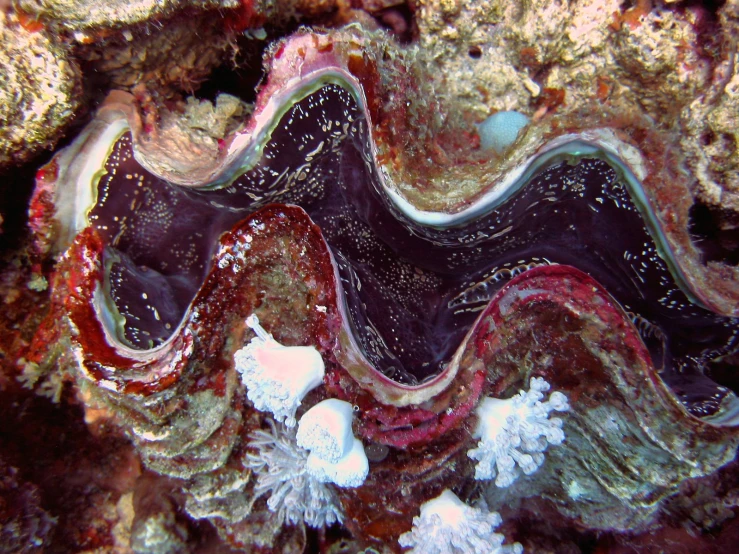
<point>428,274</point>
<point>79,15</point>
<point>156,50</point>
<point>39,92</point>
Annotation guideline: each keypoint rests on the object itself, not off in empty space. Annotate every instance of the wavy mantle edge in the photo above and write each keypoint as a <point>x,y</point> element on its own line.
<point>301,65</point>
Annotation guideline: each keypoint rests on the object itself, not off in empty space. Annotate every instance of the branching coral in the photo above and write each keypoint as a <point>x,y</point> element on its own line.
<point>449,526</point>
<point>277,377</point>
<point>295,495</point>
<point>516,431</point>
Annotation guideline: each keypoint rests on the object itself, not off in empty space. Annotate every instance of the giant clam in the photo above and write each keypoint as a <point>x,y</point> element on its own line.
<point>424,286</point>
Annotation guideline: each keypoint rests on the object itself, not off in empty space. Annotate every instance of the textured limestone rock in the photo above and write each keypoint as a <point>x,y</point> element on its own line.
<point>39,91</point>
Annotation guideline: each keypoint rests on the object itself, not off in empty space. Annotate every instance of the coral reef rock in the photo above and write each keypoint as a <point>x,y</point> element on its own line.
<point>334,312</point>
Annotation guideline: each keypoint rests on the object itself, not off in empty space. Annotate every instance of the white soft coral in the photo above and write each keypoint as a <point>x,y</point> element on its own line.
<point>281,468</point>
<point>336,456</point>
<point>449,526</point>
<point>277,377</point>
<point>350,471</point>
<point>516,432</point>
<point>326,429</point>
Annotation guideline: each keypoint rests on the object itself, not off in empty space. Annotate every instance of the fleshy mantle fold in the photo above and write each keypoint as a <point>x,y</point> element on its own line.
<point>297,67</point>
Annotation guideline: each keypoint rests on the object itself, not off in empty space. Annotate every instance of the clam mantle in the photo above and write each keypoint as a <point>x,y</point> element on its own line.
<point>424,286</point>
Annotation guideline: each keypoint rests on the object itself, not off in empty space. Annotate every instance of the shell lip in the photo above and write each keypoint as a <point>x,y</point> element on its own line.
<point>589,143</point>
<point>101,305</point>
<point>306,77</point>
<point>302,67</point>
<point>392,391</point>
<point>728,416</point>
<point>245,149</point>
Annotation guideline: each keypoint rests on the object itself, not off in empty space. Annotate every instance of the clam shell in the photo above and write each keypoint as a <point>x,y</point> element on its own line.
<point>631,437</point>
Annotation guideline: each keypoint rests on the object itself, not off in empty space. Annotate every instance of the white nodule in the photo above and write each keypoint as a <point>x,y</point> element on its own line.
<point>326,429</point>
<point>277,377</point>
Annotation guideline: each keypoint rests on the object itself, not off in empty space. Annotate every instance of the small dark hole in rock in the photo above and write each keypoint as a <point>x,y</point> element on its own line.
<point>711,6</point>
<point>474,52</point>
<point>239,77</point>
<point>398,20</point>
